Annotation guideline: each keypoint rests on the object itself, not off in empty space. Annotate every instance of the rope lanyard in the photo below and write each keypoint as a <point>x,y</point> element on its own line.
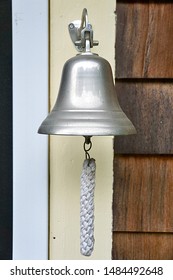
<point>87,203</point>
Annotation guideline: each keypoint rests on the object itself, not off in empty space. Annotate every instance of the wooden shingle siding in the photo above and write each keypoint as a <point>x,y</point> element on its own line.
<point>143,163</point>
<point>143,193</point>
<point>142,246</point>
<point>142,39</point>
<point>149,104</point>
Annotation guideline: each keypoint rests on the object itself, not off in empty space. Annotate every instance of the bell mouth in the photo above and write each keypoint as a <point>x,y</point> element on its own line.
<point>87,123</point>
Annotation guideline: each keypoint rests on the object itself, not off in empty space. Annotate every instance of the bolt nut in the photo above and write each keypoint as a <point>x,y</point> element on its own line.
<point>71,25</point>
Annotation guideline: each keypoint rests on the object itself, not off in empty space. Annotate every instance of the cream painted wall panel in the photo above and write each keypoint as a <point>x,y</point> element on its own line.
<point>66,153</point>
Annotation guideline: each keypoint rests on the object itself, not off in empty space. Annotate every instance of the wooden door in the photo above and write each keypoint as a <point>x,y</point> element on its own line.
<point>143,163</point>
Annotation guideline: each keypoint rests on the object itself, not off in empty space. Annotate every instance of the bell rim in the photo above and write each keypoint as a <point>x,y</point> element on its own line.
<point>88,123</point>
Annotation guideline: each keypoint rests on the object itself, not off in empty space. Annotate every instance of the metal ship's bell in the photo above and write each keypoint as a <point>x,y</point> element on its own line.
<point>87,104</point>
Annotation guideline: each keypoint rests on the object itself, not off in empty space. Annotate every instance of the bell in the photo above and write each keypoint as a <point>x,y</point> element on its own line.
<point>87,103</point>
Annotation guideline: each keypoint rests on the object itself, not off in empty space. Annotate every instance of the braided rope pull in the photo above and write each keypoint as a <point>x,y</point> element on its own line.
<point>87,207</point>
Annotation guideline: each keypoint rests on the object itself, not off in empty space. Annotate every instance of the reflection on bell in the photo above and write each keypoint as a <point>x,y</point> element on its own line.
<point>87,104</point>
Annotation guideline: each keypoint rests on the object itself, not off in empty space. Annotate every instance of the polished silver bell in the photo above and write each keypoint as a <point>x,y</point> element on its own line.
<point>87,103</point>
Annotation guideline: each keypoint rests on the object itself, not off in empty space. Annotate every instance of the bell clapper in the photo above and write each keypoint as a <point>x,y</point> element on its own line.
<point>87,149</point>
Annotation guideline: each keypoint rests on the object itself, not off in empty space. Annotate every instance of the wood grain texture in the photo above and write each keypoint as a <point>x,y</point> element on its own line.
<point>142,246</point>
<point>143,194</point>
<point>149,106</point>
<point>144,39</point>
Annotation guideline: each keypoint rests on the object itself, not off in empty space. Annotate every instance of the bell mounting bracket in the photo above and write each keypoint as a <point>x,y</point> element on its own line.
<point>81,33</point>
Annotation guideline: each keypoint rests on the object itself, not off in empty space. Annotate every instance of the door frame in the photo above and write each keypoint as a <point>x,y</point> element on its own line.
<point>30,150</point>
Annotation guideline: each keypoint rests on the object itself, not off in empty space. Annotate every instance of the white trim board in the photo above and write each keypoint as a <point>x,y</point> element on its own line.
<point>30,150</point>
